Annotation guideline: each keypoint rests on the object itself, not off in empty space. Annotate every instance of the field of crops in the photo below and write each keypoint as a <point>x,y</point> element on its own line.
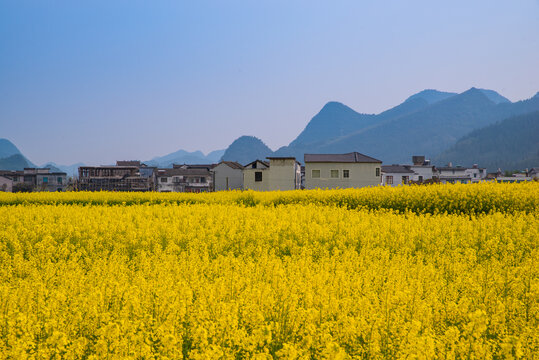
<point>420,272</point>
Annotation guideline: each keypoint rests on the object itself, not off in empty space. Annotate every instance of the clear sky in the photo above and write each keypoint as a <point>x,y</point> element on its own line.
<point>96,81</point>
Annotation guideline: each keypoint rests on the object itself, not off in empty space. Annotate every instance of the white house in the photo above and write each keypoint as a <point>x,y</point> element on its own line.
<point>422,169</point>
<point>395,175</point>
<point>459,174</point>
<point>228,175</point>
<point>280,173</point>
<point>184,180</point>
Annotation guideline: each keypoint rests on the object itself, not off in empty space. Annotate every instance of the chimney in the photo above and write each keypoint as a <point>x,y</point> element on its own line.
<point>418,159</point>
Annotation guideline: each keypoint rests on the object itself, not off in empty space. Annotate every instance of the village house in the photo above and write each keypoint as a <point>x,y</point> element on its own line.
<point>6,184</point>
<point>422,169</point>
<point>351,170</point>
<point>280,173</point>
<point>395,175</point>
<point>184,180</point>
<point>458,174</point>
<point>228,175</point>
<point>35,179</point>
<point>124,176</point>
<point>256,175</point>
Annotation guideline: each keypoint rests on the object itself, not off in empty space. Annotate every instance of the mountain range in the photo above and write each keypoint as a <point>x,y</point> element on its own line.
<point>443,126</point>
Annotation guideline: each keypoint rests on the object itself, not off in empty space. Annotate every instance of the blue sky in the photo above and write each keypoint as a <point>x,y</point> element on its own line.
<point>97,81</point>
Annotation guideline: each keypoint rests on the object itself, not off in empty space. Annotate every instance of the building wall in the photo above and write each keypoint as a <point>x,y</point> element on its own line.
<point>249,179</point>
<point>284,174</point>
<point>361,175</point>
<point>397,178</point>
<point>419,170</point>
<point>227,178</point>
<point>183,183</point>
<point>51,182</point>
<point>6,184</point>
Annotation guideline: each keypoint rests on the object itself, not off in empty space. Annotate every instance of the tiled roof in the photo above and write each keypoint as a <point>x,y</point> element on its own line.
<point>232,164</point>
<point>353,157</point>
<point>396,169</point>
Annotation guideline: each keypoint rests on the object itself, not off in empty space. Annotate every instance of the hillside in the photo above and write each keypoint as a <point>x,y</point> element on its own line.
<point>186,157</point>
<point>7,148</point>
<point>246,149</point>
<point>511,144</point>
<point>336,121</point>
<point>15,162</point>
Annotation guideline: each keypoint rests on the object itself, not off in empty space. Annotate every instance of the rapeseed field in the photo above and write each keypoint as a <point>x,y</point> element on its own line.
<point>418,272</point>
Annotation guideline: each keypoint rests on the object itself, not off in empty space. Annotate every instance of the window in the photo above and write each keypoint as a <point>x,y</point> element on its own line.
<point>346,173</point>
<point>377,171</point>
<point>405,179</point>
<point>315,174</point>
<point>389,180</point>
<point>175,179</point>
<point>258,176</point>
<point>420,178</point>
<point>334,174</point>
<point>203,179</point>
<point>45,180</point>
<point>59,180</point>
<point>164,179</point>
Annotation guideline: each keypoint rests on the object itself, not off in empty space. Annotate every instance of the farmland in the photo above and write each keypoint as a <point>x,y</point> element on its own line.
<point>442,271</point>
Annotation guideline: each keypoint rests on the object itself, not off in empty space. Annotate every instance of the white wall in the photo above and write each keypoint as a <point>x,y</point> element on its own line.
<point>227,178</point>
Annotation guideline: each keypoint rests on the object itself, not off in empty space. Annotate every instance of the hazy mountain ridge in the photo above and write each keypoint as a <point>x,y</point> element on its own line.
<point>429,122</point>
<point>186,157</point>
<point>15,162</point>
<point>509,144</point>
<point>246,149</point>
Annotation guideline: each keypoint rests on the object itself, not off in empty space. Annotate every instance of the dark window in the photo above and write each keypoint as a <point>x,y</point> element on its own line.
<point>258,176</point>
<point>420,178</point>
<point>377,171</point>
<point>346,173</point>
<point>389,180</point>
<point>164,179</point>
<point>59,180</point>
<point>202,179</point>
<point>45,179</point>
<point>405,179</point>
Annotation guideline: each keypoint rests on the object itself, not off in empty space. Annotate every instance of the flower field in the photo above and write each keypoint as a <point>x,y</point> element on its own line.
<point>419,272</point>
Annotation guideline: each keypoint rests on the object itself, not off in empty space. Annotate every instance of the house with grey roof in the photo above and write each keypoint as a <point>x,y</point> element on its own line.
<point>184,180</point>
<point>350,170</point>
<point>450,174</point>
<point>395,175</point>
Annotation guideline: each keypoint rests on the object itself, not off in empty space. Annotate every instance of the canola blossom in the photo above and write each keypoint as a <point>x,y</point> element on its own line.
<point>283,275</point>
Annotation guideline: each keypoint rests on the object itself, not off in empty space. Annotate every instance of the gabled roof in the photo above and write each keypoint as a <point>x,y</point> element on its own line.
<point>388,169</point>
<point>265,163</point>
<point>232,164</point>
<point>353,157</point>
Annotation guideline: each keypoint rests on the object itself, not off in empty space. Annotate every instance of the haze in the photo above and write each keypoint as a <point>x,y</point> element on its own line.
<point>104,80</point>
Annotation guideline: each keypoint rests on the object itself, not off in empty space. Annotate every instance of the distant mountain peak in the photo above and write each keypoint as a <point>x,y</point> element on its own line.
<point>494,96</point>
<point>431,96</point>
<point>246,149</point>
<point>7,148</point>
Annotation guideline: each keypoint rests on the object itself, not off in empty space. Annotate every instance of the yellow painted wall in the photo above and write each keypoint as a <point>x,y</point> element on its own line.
<point>361,175</point>
<point>284,174</point>
<point>250,183</point>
